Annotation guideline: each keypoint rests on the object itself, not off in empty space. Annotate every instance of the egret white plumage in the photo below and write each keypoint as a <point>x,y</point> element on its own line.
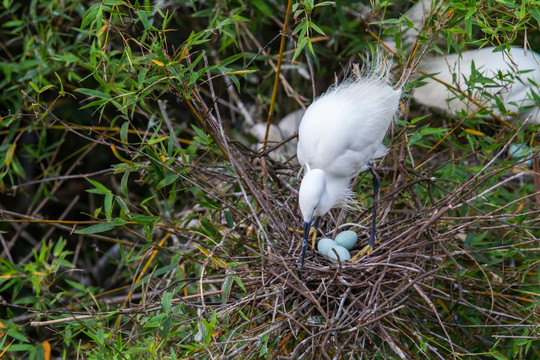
<point>285,129</point>
<point>340,132</point>
<point>516,90</point>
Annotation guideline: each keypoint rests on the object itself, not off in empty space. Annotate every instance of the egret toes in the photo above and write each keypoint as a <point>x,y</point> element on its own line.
<point>365,251</point>
<point>313,234</point>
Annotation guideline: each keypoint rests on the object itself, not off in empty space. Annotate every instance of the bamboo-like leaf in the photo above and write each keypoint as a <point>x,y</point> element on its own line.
<point>94,93</point>
<point>95,229</point>
<point>101,189</point>
<point>475,132</point>
<point>119,157</point>
<point>9,154</point>
<point>166,301</point>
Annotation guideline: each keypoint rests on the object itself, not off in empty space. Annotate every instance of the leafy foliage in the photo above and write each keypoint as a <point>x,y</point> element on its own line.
<point>137,222</point>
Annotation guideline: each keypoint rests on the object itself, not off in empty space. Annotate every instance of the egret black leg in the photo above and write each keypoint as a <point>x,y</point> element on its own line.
<point>375,198</point>
<point>315,224</point>
<point>307,226</point>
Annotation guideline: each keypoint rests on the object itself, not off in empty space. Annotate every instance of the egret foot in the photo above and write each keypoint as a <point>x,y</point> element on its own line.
<point>366,250</point>
<point>313,235</point>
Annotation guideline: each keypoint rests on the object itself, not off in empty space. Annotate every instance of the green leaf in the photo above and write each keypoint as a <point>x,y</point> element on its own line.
<point>226,289</point>
<point>301,45</point>
<point>94,103</point>
<point>416,136</point>
<point>263,7</point>
<point>99,18</point>
<point>166,301</point>
<point>144,19</point>
<point>94,93</point>
<point>231,59</point>
<point>154,322</point>
<point>94,229</point>
<point>76,285</point>
<point>228,219</point>
<point>34,86</point>
<point>207,330</point>
<point>90,15</point>
<point>124,132</point>
<point>536,15</point>
<point>324,3</point>
<point>211,230</point>
<point>497,355</point>
<point>431,131</point>
<point>310,46</point>
<point>101,189</point>
<point>144,219</point>
<point>166,327</point>
<point>142,77</point>
<point>419,118</point>
<point>114,2</point>
<point>167,180</point>
<point>317,29</point>
<point>244,316</point>
<point>108,204</point>
<point>118,222</point>
<point>12,23</point>
<point>21,347</point>
<point>9,154</point>
<point>17,335</point>
<point>124,183</point>
<point>239,282</point>
<point>157,140</point>
<point>45,88</point>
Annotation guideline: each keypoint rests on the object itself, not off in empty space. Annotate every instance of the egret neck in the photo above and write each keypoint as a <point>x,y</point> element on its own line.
<point>317,196</point>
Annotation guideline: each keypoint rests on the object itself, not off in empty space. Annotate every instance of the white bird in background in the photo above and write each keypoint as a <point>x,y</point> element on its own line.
<point>285,129</point>
<point>516,91</point>
<point>340,132</point>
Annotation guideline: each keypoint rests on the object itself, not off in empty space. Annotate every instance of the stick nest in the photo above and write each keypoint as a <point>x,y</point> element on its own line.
<point>425,276</point>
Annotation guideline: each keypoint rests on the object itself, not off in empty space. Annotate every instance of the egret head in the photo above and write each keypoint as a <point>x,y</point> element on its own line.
<point>312,192</point>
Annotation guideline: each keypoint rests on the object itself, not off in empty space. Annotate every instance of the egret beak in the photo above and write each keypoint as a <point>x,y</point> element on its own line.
<point>307,226</point>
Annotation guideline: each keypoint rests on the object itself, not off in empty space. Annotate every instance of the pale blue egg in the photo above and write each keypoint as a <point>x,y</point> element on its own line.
<point>347,239</point>
<point>324,245</point>
<point>343,254</point>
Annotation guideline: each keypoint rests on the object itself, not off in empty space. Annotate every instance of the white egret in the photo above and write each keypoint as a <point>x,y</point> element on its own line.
<point>340,132</point>
<point>516,90</point>
<point>289,127</point>
<point>285,129</point>
<point>274,137</point>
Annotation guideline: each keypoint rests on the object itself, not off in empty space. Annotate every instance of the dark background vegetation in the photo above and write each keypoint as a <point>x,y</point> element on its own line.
<point>137,222</point>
